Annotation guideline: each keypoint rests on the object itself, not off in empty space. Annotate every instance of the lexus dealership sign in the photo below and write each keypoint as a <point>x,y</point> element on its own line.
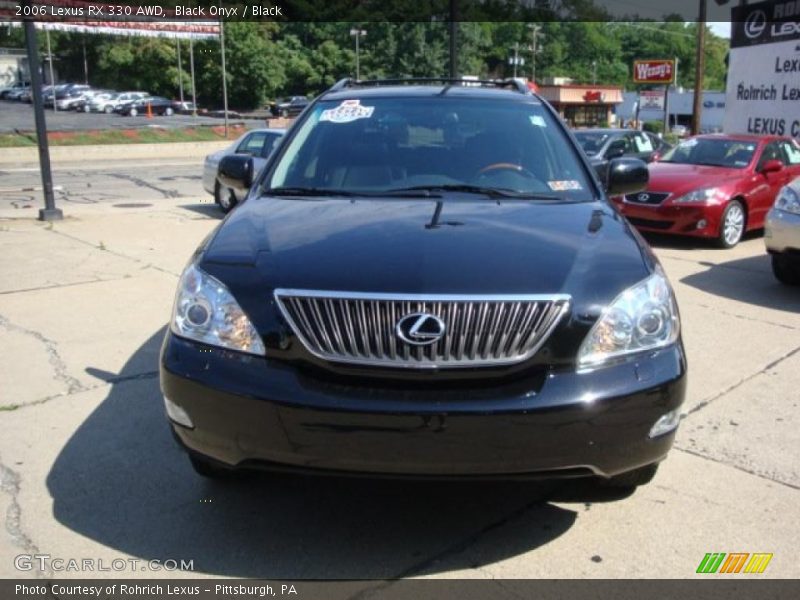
<point>763,93</point>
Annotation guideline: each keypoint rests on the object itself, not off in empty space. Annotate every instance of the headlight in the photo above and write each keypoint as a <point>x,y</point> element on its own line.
<point>643,317</point>
<point>788,200</point>
<point>205,311</point>
<point>701,195</point>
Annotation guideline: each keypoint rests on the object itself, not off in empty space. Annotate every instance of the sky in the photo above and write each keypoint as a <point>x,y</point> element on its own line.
<point>721,29</point>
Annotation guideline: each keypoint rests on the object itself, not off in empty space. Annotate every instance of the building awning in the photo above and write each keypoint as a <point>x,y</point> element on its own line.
<point>581,94</point>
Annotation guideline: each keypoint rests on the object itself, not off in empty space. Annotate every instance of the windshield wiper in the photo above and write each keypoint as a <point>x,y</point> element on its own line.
<point>311,191</point>
<point>473,189</point>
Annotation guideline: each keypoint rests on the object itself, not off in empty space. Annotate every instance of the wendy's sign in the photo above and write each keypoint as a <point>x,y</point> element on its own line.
<point>654,71</point>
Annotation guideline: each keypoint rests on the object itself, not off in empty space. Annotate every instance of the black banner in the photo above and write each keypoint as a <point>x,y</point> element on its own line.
<point>710,587</point>
<point>359,10</point>
<point>765,23</point>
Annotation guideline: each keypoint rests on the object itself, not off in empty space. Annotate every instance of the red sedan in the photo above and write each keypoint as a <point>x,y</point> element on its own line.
<point>714,186</point>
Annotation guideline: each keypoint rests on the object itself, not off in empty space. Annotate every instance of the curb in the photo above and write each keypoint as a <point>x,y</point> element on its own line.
<point>30,154</point>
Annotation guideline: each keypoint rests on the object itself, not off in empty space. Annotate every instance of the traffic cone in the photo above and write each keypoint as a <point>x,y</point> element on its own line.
<point>149,111</point>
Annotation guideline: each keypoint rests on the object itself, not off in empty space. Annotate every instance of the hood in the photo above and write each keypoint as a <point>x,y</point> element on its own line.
<point>680,178</point>
<point>456,246</point>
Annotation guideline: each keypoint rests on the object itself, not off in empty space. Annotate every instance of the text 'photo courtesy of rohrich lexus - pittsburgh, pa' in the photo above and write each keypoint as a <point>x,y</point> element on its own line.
<point>426,279</point>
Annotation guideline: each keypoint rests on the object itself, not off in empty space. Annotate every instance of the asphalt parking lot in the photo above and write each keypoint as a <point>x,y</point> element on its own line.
<point>18,116</point>
<point>88,468</point>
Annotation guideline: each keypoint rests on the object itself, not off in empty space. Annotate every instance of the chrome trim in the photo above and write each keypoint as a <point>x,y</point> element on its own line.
<point>361,326</point>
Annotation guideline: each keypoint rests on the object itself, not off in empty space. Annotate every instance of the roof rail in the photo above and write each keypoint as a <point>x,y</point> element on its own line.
<point>341,84</point>
<point>516,84</point>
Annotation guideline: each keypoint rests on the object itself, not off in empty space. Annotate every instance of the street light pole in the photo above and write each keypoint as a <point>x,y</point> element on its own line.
<point>535,29</point>
<point>358,33</point>
<point>224,74</point>
<point>191,67</point>
<point>49,212</point>
<point>180,72</point>
<point>699,68</point>
<point>50,58</point>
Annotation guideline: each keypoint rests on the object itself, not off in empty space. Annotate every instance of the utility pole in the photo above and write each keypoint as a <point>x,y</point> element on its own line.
<point>49,212</point>
<point>699,69</point>
<point>535,29</point>
<point>594,72</point>
<point>516,58</point>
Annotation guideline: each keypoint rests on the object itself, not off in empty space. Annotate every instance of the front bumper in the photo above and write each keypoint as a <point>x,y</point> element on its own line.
<point>782,232</point>
<point>250,412</point>
<point>697,220</point>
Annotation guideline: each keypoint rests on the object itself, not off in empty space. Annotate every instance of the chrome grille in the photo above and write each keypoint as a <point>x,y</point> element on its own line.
<point>479,331</point>
<point>652,198</point>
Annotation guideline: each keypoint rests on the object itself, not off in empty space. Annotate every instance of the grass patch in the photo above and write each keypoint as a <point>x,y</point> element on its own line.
<point>146,135</point>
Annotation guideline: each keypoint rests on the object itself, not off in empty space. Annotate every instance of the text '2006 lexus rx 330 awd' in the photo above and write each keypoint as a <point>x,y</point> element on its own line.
<point>426,280</point>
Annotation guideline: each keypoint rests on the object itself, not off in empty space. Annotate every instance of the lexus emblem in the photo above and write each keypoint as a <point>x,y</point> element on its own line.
<point>643,197</point>
<point>420,329</point>
<point>755,24</point>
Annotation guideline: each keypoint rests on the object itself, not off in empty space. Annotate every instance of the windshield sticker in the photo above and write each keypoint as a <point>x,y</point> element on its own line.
<point>347,112</point>
<point>563,186</point>
<point>538,120</point>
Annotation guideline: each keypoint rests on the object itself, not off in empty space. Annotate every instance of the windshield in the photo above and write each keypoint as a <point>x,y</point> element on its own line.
<point>381,145</point>
<point>735,154</point>
<point>591,141</point>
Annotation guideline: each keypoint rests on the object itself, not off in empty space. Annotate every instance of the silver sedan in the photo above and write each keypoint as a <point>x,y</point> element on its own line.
<point>782,234</point>
<point>258,143</point>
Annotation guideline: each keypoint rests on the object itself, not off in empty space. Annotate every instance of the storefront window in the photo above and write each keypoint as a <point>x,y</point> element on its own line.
<point>586,115</point>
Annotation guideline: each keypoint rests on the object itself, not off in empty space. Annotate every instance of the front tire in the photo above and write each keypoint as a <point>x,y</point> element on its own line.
<point>632,479</point>
<point>786,270</point>
<point>285,113</point>
<point>224,198</point>
<point>108,109</point>
<point>169,112</point>
<point>133,112</point>
<point>732,225</point>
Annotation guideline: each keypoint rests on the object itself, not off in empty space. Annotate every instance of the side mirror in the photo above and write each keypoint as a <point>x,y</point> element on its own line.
<point>626,176</point>
<point>654,157</point>
<point>236,171</point>
<point>772,166</point>
<point>615,150</point>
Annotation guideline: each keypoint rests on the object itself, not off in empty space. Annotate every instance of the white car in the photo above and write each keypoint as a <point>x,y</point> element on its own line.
<point>782,234</point>
<point>108,104</point>
<point>258,143</point>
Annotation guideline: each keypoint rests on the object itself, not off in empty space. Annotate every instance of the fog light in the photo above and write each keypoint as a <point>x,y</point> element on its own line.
<point>666,423</point>
<point>701,224</point>
<point>177,414</point>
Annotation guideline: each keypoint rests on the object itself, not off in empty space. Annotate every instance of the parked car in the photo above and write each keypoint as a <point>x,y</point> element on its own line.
<point>426,280</point>
<point>184,108</point>
<point>289,107</point>
<point>157,104</point>
<point>603,145</point>
<point>82,103</point>
<point>714,186</point>
<point>782,234</point>
<point>13,92</point>
<point>108,104</point>
<point>258,143</point>
<point>69,96</point>
<point>680,130</point>
<point>26,95</point>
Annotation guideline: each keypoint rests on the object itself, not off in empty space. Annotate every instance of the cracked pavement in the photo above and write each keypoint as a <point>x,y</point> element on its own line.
<point>88,468</point>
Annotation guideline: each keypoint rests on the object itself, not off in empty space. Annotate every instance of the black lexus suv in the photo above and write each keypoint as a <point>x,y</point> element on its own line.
<point>427,279</point>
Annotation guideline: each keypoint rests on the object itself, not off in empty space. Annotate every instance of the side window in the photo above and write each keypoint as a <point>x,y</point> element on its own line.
<point>771,152</point>
<point>270,141</point>
<point>643,143</point>
<point>252,144</point>
<point>791,151</point>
